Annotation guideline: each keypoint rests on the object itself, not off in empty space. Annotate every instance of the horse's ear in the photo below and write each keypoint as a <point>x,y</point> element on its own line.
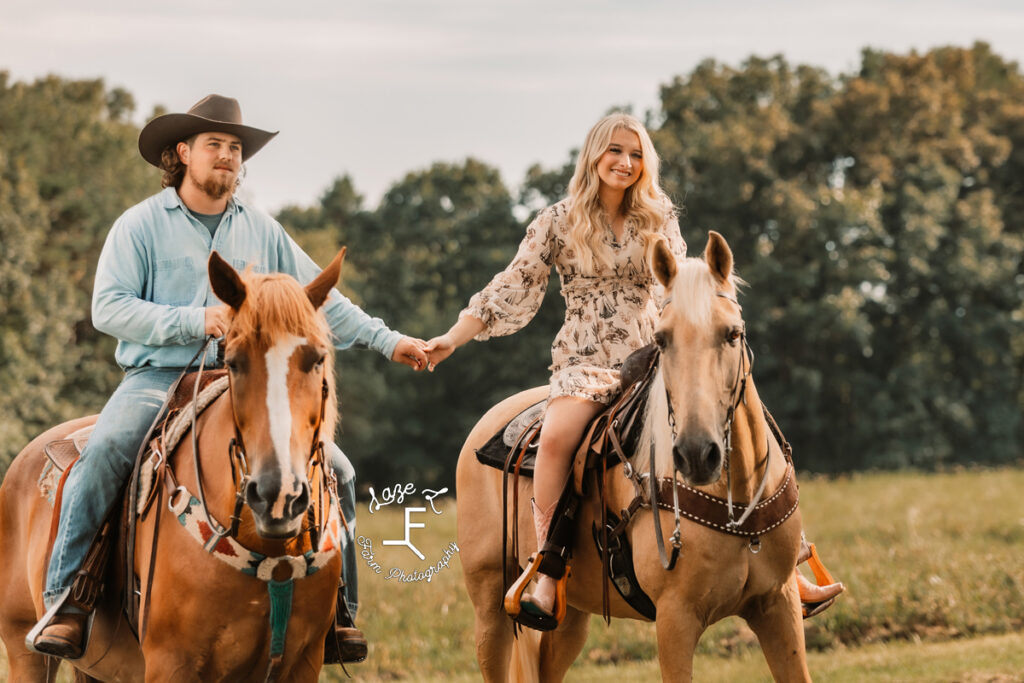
<point>225,282</point>
<point>318,289</point>
<point>718,256</point>
<point>663,262</point>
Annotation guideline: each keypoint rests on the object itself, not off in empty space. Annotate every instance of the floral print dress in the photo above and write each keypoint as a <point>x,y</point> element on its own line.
<point>608,315</point>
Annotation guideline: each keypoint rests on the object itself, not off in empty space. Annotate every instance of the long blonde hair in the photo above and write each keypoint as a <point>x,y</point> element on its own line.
<point>644,201</point>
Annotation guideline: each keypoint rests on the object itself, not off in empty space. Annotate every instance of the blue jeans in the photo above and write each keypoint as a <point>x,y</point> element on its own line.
<point>96,480</point>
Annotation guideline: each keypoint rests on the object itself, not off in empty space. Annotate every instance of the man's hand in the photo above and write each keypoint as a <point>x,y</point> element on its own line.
<point>438,349</point>
<point>409,351</point>
<point>217,320</point>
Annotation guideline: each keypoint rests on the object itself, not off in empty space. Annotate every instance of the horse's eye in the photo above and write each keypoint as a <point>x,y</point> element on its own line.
<point>659,339</point>
<point>311,359</point>
<point>734,335</point>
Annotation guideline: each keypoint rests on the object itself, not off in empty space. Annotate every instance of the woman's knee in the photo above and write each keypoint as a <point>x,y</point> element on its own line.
<point>558,443</point>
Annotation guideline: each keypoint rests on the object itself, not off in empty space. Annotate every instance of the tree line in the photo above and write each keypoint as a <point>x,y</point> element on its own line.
<point>878,216</point>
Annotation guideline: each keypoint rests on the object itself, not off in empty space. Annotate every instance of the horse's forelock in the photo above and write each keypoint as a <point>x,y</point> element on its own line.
<point>277,305</point>
<point>694,291</point>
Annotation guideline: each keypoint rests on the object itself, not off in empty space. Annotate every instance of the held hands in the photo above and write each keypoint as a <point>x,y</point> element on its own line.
<point>438,349</point>
<point>411,351</point>
<point>216,320</point>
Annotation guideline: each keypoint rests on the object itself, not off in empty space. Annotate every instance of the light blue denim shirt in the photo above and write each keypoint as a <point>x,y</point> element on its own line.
<point>152,284</point>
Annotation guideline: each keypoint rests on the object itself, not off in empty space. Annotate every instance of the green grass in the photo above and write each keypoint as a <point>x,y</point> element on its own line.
<point>932,564</point>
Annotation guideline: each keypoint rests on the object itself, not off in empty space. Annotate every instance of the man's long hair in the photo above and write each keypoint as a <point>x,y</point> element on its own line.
<point>170,164</point>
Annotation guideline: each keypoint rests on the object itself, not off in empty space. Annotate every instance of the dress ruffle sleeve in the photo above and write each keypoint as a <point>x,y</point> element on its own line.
<point>514,295</point>
<point>676,244</point>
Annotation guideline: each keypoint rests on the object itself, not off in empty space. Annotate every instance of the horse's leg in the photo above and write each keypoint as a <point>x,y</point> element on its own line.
<point>492,628</point>
<point>776,620</point>
<point>678,632</point>
<point>560,648</point>
<point>28,667</point>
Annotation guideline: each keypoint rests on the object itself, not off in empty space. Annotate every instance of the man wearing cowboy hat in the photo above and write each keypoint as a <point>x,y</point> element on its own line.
<point>153,295</point>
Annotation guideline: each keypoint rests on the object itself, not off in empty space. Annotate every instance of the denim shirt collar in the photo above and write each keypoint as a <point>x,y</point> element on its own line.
<point>171,200</point>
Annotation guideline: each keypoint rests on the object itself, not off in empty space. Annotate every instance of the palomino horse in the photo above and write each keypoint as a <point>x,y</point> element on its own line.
<point>703,363</point>
<point>259,603</point>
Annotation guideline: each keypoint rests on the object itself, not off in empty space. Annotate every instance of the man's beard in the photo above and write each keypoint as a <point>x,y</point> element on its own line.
<point>214,188</point>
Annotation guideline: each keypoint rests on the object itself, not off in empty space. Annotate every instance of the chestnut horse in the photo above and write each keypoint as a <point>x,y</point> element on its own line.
<point>703,360</point>
<point>206,616</point>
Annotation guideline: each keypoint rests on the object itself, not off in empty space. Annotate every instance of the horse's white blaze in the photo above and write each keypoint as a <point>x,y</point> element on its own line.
<point>279,412</point>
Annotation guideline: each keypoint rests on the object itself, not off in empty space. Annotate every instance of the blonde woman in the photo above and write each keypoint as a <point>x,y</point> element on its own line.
<point>598,238</point>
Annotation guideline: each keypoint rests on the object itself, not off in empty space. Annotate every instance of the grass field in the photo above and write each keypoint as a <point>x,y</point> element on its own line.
<point>932,563</point>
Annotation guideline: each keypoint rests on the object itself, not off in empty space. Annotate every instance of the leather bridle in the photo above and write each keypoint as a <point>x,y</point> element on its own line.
<point>738,394</point>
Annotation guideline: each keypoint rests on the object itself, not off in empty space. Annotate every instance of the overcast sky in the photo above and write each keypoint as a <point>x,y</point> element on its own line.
<point>379,88</point>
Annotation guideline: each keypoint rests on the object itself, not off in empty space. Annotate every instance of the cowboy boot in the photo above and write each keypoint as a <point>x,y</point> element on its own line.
<point>815,598</point>
<point>541,600</point>
<point>63,637</point>
<point>345,642</point>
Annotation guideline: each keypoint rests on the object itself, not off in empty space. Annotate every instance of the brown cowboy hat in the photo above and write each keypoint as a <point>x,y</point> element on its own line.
<point>212,114</point>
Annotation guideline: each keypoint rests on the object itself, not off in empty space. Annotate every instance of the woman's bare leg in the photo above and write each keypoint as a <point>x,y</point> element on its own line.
<point>564,422</point>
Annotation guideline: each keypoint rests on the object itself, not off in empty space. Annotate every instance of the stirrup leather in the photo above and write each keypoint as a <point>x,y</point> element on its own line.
<point>812,605</point>
<point>533,619</point>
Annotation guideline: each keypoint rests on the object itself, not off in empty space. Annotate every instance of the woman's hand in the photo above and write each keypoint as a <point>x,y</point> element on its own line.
<point>412,352</point>
<point>438,349</point>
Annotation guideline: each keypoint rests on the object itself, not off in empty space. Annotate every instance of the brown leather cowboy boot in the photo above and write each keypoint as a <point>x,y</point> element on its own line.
<point>63,636</point>
<point>345,642</point>
<point>351,643</point>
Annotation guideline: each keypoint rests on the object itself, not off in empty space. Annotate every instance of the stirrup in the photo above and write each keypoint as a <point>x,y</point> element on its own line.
<point>532,616</point>
<point>44,621</point>
<point>823,578</point>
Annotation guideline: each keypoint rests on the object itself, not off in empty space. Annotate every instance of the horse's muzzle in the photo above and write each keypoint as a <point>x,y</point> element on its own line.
<point>277,514</point>
<point>698,459</point>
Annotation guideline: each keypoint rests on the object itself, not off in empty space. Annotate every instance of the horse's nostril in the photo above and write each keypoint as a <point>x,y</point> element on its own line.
<point>714,456</point>
<point>299,503</point>
<point>252,493</point>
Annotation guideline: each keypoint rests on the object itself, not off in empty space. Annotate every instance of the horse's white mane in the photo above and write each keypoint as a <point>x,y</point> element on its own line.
<point>656,429</point>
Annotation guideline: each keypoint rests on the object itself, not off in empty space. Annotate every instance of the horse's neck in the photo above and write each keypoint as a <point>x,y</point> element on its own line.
<point>753,448</point>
